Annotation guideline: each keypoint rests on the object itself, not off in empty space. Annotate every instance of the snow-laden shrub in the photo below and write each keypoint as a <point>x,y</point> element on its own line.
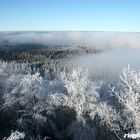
<point>9,68</point>
<point>24,89</point>
<point>129,98</point>
<point>83,96</point>
<point>16,135</point>
<point>81,91</point>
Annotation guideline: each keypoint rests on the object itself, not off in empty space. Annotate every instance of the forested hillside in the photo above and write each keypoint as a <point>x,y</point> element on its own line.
<point>41,97</point>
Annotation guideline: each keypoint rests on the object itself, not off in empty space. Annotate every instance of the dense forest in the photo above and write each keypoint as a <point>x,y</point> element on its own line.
<point>41,97</point>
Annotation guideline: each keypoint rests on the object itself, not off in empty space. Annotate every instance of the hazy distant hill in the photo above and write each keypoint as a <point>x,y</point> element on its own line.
<point>13,46</point>
<point>40,52</point>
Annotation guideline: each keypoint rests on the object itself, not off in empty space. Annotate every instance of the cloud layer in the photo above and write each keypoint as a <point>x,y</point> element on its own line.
<point>93,39</point>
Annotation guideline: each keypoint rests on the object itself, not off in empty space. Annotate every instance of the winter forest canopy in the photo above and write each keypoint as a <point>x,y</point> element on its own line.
<point>69,86</point>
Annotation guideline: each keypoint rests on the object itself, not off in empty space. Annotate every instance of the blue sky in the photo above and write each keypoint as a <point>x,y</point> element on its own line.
<point>70,15</point>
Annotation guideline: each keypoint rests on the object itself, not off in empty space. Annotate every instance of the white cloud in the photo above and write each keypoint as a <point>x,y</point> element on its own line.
<point>95,39</point>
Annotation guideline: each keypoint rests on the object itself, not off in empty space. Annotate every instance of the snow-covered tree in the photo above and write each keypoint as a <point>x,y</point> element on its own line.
<point>68,105</point>
<point>129,99</point>
<point>16,135</point>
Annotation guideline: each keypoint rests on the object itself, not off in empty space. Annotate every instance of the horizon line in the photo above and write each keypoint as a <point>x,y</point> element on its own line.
<point>67,31</point>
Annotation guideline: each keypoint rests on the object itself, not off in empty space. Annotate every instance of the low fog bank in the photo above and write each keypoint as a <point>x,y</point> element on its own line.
<point>108,65</point>
<point>99,40</point>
